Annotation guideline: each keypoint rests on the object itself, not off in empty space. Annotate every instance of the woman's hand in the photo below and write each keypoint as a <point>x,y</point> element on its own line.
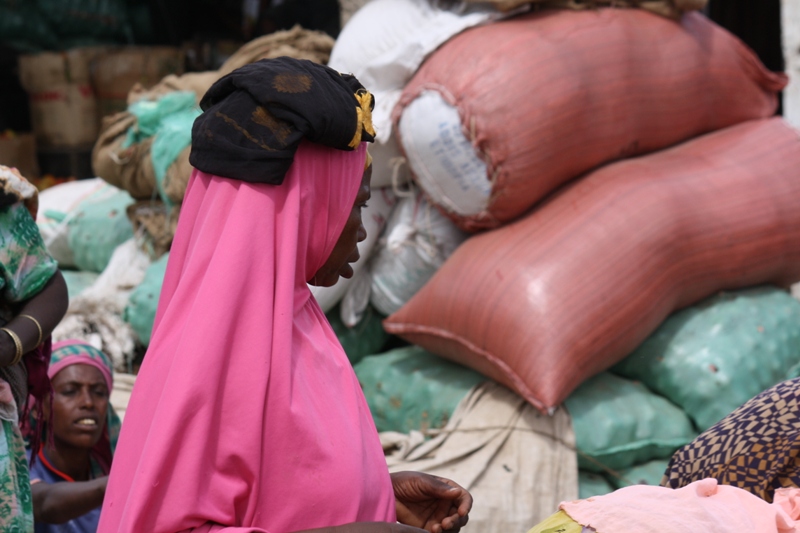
<point>429,502</point>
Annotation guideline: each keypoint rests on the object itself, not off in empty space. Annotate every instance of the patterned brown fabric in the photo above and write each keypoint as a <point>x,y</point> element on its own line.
<point>756,448</point>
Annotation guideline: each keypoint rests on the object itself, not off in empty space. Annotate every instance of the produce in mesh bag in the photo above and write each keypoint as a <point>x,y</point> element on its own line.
<point>97,226</point>
<point>712,357</point>
<point>544,303</point>
<point>411,389</point>
<point>143,301</point>
<point>619,423</point>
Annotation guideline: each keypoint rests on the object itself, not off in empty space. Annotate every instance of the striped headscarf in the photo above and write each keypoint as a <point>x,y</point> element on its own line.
<point>77,352</point>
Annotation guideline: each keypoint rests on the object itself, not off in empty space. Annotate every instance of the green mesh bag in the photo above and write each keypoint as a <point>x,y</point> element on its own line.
<point>143,301</point>
<point>711,358</point>
<point>98,225</point>
<point>619,423</point>
<point>649,473</point>
<point>410,388</point>
<point>366,338</point>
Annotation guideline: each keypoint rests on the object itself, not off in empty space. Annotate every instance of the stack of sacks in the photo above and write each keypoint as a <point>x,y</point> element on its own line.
<point>622,429</point>
<point>564,293</point>
<point>570,91</point>
<point>487,136</point>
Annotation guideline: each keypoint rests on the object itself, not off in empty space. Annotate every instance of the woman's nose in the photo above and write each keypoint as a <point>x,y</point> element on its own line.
<point>86,399</point>
<point>362,232</point>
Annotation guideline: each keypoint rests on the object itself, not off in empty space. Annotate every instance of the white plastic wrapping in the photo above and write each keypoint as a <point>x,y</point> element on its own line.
<point>417,241</point>
<point>55,207</point>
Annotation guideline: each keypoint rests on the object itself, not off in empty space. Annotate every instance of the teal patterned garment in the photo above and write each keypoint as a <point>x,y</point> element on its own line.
<point>25,268</point>
<point>25,265</point>
<point>16,504</point>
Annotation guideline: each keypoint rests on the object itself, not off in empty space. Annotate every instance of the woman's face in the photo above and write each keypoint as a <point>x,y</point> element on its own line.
<point>345,251</point>
<point>80,403</point>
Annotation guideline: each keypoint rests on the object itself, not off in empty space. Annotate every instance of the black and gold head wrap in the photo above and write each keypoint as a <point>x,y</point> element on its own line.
<point>255,117</point>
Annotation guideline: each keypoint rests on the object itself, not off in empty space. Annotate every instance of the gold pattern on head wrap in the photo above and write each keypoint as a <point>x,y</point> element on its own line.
<point>364,112</point>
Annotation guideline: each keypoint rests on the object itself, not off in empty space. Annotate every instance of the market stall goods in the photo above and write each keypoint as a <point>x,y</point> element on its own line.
<point>711,358</point>
<point>548,301</point>
<point>487,136</point>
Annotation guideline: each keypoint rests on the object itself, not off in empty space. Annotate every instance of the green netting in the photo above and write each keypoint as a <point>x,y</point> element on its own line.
<point>591,484</point>
<point>366,338</point>
<point>77,281</point>
<point>170,120</point>
<point>711,358</point>
<point>619,423</point>
<point>649,473</point>
<point>412,389</point>
<point>99,224</point>
<point>143,301</point>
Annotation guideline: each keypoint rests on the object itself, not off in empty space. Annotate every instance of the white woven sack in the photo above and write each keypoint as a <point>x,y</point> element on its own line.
<point>417,241</point>
<point>384,44</point>
<point>442,158</point>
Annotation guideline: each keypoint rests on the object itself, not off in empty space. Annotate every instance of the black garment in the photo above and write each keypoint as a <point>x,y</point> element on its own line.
<point>255,117</point>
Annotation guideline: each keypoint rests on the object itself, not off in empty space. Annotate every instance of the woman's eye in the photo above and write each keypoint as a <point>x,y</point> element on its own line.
<point>363,206</point>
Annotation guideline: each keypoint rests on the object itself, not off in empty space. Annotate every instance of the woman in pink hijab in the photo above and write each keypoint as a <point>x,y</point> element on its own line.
<point>246,415</point>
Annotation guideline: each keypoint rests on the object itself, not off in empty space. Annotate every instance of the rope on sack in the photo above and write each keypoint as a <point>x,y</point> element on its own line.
<point>396,163</point>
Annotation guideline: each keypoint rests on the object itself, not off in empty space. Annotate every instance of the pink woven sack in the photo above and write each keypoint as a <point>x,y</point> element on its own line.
<point>503,114</point>
<point>550,300</point>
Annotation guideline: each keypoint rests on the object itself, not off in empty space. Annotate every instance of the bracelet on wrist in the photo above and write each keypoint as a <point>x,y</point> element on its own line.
<point>17,344</point>
<point>38,327</point>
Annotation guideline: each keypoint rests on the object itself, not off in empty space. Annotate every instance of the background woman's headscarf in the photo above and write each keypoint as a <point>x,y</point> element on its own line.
<point>77,352</point>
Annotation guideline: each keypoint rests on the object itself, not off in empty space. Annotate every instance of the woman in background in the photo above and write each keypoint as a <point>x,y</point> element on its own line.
<point>68,478</point>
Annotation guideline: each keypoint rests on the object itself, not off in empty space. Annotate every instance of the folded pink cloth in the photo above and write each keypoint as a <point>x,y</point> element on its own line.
<point>701,506</point>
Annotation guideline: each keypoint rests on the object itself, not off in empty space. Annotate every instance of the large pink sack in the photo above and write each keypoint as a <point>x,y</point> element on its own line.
<point>546,97</point>
<point>548,301</point>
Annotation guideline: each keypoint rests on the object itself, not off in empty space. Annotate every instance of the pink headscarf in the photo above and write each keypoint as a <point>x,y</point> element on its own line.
<point>246,413</point>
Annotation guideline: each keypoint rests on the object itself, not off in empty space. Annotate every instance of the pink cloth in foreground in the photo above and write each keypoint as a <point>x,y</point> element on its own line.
<point>700,506</point>
<point>246,413</point>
